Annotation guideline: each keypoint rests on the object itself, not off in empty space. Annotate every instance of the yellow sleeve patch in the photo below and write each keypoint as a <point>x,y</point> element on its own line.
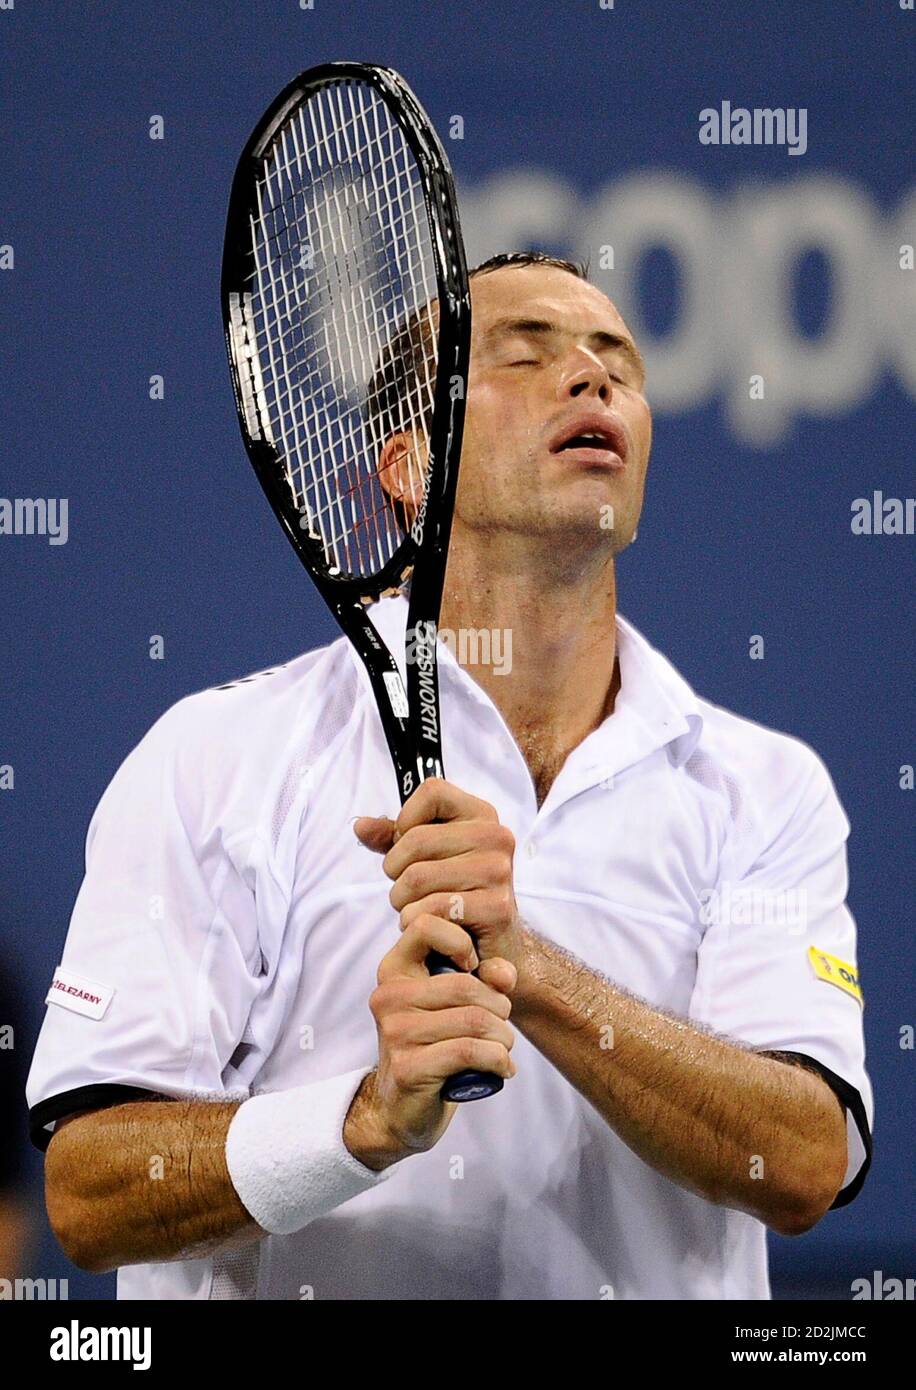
<point>836,972</point>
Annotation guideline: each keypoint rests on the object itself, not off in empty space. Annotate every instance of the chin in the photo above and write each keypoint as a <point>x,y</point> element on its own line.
<point>589,525</point>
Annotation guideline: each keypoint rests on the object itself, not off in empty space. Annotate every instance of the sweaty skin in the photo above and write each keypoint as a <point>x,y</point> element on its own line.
<point>531,552</point>
<point>533,545</point>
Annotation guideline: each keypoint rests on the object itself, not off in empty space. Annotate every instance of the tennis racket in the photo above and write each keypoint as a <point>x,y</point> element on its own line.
<point>348,321</point>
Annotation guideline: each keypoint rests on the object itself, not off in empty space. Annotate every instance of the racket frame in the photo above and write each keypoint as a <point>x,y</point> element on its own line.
<point>415,743</point>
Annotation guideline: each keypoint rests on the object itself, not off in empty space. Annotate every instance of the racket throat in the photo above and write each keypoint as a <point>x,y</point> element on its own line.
<point>424,719</point>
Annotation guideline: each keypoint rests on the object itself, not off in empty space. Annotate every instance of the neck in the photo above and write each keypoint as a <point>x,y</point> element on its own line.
<point>552,645</point>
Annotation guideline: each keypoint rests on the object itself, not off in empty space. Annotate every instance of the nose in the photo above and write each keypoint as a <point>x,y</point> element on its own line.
<point>585,375</point>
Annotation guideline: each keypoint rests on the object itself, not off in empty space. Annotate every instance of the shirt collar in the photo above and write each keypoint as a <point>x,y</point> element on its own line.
<point>657,692</point>
<point>655,706</point>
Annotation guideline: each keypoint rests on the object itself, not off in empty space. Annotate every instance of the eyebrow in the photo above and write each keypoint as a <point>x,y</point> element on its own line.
<point>543,328</point>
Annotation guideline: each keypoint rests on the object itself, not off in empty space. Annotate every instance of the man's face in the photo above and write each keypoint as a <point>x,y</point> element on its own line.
<point>551,356</point>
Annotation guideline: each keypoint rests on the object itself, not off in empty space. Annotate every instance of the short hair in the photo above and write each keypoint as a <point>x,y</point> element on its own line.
<point>406,360</point>
<point>523,258</point>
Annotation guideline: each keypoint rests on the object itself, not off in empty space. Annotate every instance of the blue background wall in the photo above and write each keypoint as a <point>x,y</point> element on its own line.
<point>746,531</point>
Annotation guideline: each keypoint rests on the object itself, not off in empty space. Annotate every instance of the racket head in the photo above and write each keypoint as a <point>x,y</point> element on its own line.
<point>347,318</point>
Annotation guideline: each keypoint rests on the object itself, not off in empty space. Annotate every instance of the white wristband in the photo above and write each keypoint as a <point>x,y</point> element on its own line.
<point>287,1158</point>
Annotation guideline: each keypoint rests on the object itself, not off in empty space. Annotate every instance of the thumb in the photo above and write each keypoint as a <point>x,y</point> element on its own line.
<point>499,974</point>
<point>375,832</point>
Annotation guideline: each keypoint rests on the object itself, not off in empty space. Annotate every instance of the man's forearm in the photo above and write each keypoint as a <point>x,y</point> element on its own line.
<point>145,1182</point>
<point>737,1127</point>
<point>15,1229</point>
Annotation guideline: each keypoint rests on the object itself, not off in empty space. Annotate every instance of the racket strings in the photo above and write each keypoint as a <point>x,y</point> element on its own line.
<point>340,309</point>
<point>292,338</point>
<point>407,175</point>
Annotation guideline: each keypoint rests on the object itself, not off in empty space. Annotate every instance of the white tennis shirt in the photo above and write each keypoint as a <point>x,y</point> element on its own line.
<point>226,938</point>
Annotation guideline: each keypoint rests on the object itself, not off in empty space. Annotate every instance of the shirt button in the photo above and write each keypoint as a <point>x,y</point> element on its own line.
<point>531,849</point>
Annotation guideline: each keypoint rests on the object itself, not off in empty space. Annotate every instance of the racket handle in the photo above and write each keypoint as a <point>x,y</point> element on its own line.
<point>469,1084</point>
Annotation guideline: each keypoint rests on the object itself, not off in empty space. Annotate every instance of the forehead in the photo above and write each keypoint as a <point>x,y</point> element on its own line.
<point>542,292</point>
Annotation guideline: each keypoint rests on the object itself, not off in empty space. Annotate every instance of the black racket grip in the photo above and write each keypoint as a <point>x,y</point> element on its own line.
<point>464,1085</point>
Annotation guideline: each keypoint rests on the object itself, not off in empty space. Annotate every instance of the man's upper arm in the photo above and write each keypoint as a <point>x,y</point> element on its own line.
<point>162,959</point>
<point>777,964</point>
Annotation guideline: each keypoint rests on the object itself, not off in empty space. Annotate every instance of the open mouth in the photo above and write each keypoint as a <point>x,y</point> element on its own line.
<point>586,441</point>
<point>596,441</point>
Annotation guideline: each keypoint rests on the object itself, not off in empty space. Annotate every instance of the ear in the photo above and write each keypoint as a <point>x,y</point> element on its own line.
<point>401,470</point>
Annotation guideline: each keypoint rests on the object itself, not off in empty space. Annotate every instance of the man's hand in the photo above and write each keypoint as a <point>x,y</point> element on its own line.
<point>451,862</point>
<point>429,1027</point>
<point>450,858</point>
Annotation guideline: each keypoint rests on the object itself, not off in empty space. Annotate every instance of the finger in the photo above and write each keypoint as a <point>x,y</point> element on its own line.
<point>447,841</point>
<point>408,956</point>
<point>375,832</point>
<point>468,1021</point>
<point>438,800</point>
<point>498,974</point>
<point>478,907</point>
<point>462,1054</point>
<point>443,841</point>
<point>455,990</point>
<point>478,870</point>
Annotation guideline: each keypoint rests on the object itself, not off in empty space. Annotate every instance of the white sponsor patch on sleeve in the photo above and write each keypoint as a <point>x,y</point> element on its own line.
<point>75,992</point>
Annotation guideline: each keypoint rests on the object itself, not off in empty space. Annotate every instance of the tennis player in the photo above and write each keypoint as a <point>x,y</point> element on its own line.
<point>237,1081</point>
